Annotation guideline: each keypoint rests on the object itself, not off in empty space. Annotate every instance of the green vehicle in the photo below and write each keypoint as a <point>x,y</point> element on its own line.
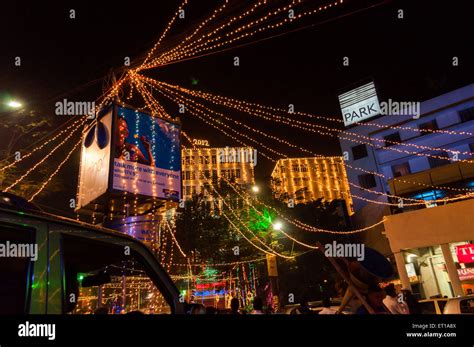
<point>55,265</point>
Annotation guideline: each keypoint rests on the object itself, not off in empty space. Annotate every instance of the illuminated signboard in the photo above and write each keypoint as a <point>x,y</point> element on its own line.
<point>359,104</point>
<point>466,274</point>
<point>130,151</point>
<point>147,155</point>
<point>465,253</point>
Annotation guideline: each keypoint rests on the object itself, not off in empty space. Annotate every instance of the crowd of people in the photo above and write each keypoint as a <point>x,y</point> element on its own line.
<point>385,300</point>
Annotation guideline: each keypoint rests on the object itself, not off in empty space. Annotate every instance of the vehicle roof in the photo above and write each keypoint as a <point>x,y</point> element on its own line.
<point>67,221</point>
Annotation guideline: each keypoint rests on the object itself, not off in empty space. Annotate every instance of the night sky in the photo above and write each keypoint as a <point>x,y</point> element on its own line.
<point>410,59</point>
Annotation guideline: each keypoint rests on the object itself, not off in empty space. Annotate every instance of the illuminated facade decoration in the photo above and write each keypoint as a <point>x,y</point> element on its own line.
<point>202,166</point>
<point>301,180</point>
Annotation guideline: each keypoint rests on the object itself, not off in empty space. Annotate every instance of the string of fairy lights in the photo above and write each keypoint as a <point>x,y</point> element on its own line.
<point>191,107</point>
<point>347,165</point>
<point>332,131</point>
<point>286,14</point>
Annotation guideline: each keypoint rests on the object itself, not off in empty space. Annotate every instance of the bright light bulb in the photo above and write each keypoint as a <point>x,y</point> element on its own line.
<point>277,226</point>
<point>14,104</point>
<point>255,189</point>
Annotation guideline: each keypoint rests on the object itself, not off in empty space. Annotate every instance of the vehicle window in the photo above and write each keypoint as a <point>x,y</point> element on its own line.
<point>428,307</point>
<point>442,304</point>
<point>109,282</point>
<point>17,249</point>
<point>467,306</point>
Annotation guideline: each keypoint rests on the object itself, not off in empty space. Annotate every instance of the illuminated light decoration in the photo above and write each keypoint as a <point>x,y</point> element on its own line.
<point>310,179</point>
<point>276,109</point>
<point>200,26</point>
<point>333,131</point>
<point>277,225</point>
<point>44,158</point>
<point>271,250</point>
<point>165,32</point>
<point>222,124</point>
<point>303,226</point>
<point>187,50</point>
<point>202,47</point>
<point>51,176</point>
<point>418,201</point>
<point>224,132</point>
<point>356,168</point>
<point>74,125</point>
<point>174,239</point>
<point>188,139</point>
<point>209,166</point>
<point>223,264</point>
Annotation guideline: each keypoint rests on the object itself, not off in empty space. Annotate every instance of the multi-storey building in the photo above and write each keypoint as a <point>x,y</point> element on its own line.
<point>416,172</point>
<point>202,166</point>
<point>301,180</point>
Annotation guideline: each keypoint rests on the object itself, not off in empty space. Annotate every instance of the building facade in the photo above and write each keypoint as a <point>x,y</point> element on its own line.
<point>202,166</point>
<point>301,180</point>
<point>397,167</point>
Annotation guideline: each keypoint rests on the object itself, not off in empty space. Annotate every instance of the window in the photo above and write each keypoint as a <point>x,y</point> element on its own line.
<point>391,139</point>
<point>237,173</point>
<point>213,159</point>
<point>204,160</point>
<point>187,190</point>
<point>98,282</point>
<point>467,114</point>
<point>15,271</point>
<point>359,152</point>
<point>428,127</point>
<point>189,175</point>
<point>367,181</point>
<point>401,169</point>
<point>437,162</point>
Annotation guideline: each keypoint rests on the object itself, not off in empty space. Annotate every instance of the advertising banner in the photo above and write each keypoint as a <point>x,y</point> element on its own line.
<point>147,155</point>
<point>95,160</point>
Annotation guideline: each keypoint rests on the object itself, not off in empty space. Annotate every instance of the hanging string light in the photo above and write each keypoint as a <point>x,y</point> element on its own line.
<point>44,158</point>
<point>346,164</point>
<point>333,132</point>
<point>54,173</point>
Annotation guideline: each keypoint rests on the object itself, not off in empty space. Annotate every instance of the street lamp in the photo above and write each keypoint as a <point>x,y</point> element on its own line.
<point>14,104</point>
<point>277,226</point>
<point>255,189</point>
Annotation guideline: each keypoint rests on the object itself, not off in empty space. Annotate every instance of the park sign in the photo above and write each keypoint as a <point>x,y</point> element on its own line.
<point>359,104</point>
<point>129,151</point>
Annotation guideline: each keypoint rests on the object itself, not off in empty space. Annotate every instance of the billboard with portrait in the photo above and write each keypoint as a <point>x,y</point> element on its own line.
<point>146,155</point>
